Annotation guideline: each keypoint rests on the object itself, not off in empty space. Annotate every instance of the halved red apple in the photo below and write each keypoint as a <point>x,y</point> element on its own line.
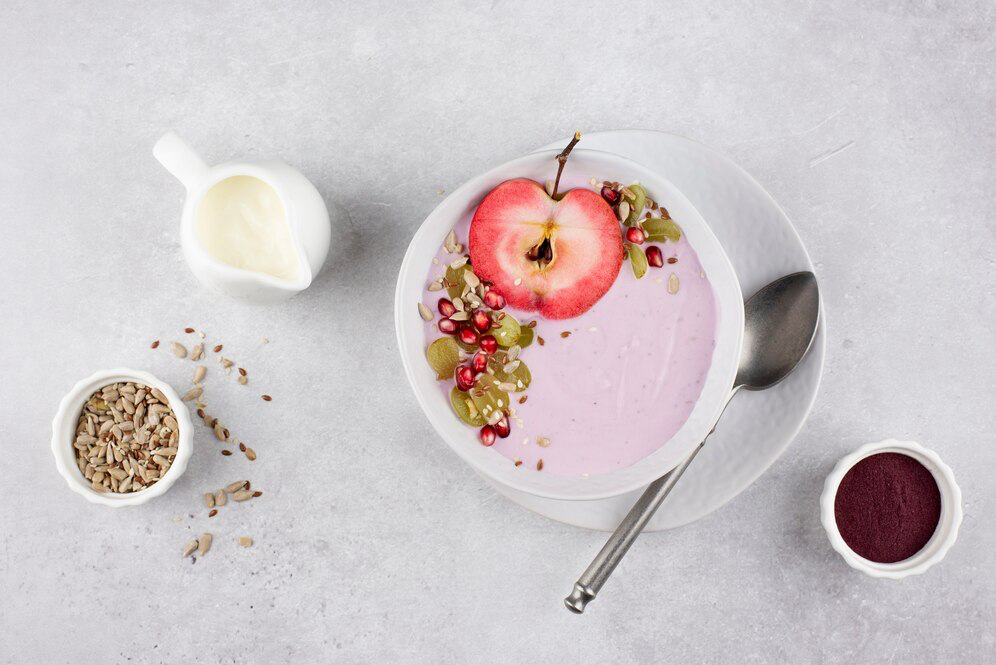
<point>557,257</point>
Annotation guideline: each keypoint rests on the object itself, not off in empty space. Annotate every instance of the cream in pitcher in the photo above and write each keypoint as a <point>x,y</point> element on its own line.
<point>254,230</point>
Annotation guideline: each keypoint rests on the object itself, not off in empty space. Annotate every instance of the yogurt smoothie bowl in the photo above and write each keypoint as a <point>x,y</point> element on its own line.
<point>571,327</point>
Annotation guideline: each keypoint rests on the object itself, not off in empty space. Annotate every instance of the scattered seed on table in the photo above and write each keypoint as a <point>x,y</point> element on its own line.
<point>242,446</point>
<point>209,499</point>
<point>199,373</point>
<point>243,380</point>
<point>204,543</point>
<point>189,548</point>
<point>242,495</point>
<point>236,486</point>
<point>539,465</point>
<point>155,344</point>
<point>257,493</point>
<point>192,394</point>
<point>188,330</point>
<point>267,398</point>
<point>245,541</point>
<point>242,371</point>
<point>198,352</point>
<point>251,454</point>
<point>214,511</point>
<point>218,348</point>
<point>179,350</point>
<point>226,453</point>
<point>220,498</point>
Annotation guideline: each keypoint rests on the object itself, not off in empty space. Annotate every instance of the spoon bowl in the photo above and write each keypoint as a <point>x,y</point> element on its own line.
<point>780,324</point>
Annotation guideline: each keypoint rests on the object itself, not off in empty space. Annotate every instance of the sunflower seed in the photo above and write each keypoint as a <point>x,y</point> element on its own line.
<point>241,495</point>
<point>219,432</point>
<point>471,279</point>
<point>542,442</point>
<point>243,380</point>
<point>208,500</point>
<point>220,498</point>
<point>251,454</point>
<point>204,543</point>
<point>436,286</point>
<point>245,541</point>
<point>672,283</point>
<point>179,350</point>
<point>192,394</point>
<point>199,373</point>
<point>236,486</point>
<point>198,352</point>
<point>459,316</point>
<point>425,312</point>
<point>189,548</point>
<point>624,210</point>
<point>458,262</point>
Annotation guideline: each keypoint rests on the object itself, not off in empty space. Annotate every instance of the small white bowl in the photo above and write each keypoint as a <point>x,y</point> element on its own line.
<point>64,431</point>
<point>462,439</point>
<point>947,527</point>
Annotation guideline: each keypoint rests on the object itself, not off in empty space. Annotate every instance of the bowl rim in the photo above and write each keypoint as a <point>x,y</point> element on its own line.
<point>719,382</point>
<point>947,528</point>
<point>64,426</point>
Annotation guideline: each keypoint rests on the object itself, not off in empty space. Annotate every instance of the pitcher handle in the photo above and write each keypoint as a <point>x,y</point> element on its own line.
<point>180,160</point>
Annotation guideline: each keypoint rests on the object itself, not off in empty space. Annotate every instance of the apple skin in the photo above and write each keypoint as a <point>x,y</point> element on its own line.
<point>581,227</point>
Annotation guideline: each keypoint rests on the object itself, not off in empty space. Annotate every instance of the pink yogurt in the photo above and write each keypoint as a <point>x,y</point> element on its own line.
<point>623,382</point>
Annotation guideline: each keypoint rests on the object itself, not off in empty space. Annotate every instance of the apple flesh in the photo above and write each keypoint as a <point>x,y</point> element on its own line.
<point>557,257</point>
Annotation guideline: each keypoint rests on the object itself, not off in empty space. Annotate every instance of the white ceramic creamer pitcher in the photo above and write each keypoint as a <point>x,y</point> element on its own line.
<point>257,231</point>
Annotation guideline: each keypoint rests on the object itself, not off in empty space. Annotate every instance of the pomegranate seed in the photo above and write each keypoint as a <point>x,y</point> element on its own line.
<point>493,299</point>
<point>635,235</point>
<point>610,195</point>
<point>468,336</point>
<point>447,326</point>
<point>654,256</point>
<point>481,320</point>
<point>446,308</point>
<point>465,377</point>
<point>502,428</point>
<point>479,362</point>
<point>488,435</point>
<point>489,344</point>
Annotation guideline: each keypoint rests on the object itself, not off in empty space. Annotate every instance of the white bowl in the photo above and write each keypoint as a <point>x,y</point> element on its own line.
<point>463,439</point>
<point>64,432</point>
<point>947,527</point>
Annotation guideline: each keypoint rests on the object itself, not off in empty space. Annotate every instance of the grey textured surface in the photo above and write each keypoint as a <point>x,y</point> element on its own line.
<point>373,542</point>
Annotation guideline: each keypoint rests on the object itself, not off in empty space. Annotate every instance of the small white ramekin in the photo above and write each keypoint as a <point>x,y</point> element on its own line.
<point>64,431</point>
<point>947,527</point>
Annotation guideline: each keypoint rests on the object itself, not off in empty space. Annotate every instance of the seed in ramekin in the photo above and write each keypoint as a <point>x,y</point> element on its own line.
<point>126,437</point>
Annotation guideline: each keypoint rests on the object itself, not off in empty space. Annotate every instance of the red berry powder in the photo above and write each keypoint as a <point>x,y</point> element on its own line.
<point>887,507</point>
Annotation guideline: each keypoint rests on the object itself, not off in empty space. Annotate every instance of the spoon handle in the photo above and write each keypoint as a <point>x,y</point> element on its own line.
<point>591,581</point>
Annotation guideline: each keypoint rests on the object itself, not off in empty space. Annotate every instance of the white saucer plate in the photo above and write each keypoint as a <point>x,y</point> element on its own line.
<point>757,427</point>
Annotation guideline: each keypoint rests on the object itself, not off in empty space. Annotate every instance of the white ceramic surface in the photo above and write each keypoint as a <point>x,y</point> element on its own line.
<point>64,430</point>
<point>947,528</point>
<point>757,426</point>
<point>306,214</point>
<point>583,165</point>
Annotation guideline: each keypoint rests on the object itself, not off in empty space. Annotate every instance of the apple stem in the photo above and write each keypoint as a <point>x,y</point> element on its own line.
<point>562,161</point>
